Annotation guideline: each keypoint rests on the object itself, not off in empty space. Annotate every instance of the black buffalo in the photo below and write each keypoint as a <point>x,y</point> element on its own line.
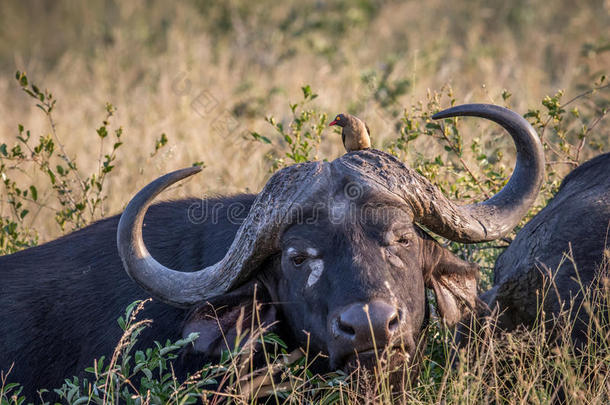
<point>560,254</point>
<point>322,241</point>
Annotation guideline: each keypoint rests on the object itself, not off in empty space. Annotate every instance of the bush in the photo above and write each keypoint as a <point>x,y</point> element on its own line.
<point>74,198</point>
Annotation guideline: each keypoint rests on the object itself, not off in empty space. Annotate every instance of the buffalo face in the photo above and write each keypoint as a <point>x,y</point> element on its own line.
<point>355,280</point>
<point>348,280</point>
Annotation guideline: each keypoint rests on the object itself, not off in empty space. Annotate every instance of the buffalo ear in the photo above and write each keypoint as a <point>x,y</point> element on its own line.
<point>454,282</point>
<point>224,320</point>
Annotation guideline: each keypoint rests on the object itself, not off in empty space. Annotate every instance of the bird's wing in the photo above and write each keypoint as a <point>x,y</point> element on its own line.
<point>367,129</point>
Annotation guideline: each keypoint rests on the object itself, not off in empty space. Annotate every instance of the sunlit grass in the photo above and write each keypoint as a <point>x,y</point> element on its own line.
<point>207,73</point>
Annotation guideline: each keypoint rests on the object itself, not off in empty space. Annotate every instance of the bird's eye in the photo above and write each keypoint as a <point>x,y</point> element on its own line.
<point>299,260</point>
<point>403,240</point>
<point>338,118</point>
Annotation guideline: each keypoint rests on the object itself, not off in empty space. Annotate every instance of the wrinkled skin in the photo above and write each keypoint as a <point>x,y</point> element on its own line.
<point>574,224</point>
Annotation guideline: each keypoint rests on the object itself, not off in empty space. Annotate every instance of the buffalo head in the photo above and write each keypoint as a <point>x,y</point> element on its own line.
<point>338,252</point>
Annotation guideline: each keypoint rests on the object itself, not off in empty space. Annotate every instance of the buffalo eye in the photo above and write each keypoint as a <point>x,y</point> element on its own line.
<point>299,260</point>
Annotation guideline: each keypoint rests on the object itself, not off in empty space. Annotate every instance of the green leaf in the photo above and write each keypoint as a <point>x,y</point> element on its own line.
<point>102,132</point>
<point>260,137</point>
<point>273,338</point>
<point>148,373</point>
<point>34,193</point>
<point>306,91</point>
<point>51,176</point>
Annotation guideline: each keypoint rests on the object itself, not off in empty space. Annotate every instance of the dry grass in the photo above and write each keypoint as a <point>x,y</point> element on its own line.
<point>182,69</point>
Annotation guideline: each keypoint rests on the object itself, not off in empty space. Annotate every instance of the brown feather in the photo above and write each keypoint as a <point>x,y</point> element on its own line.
<point>355,134</point>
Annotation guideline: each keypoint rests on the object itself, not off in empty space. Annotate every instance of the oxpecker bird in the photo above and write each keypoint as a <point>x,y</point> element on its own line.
<point>355,133</point>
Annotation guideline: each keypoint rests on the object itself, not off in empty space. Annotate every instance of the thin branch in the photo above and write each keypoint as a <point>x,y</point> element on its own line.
<point>562,162</point>
<point>40,207</point>
<point>32,201</point>
<point>492,247</point>
<point>584,138</point>
<point>456,151</point>
<point>586,93</point>
<point>64,155</point>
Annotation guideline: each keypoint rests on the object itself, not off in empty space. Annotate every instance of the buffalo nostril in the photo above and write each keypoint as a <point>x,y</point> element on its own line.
<point>346,328</point>
<point>394,322</point>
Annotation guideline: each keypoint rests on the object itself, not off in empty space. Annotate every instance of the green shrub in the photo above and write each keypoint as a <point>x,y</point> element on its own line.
<point>73,197</point>
<point>302,135</point>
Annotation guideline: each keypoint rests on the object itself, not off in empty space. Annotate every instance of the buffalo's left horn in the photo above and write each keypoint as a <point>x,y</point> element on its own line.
<point>484,221</point>
<point>286,191</point>
<point>497,216</point>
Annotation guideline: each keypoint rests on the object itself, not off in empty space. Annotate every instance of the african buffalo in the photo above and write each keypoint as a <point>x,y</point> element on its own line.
<point>561,249</point>
<point>332,246</point>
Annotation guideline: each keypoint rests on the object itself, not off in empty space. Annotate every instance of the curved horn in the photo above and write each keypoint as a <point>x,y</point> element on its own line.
<point>288,189</point>
<point>480,222</point>
<point>498,215</point>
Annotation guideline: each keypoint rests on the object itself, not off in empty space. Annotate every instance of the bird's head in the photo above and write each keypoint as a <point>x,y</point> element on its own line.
<point>340,119</point>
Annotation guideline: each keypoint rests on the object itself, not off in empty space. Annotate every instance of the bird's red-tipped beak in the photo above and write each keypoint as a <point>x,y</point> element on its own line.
<point>332,123</point>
